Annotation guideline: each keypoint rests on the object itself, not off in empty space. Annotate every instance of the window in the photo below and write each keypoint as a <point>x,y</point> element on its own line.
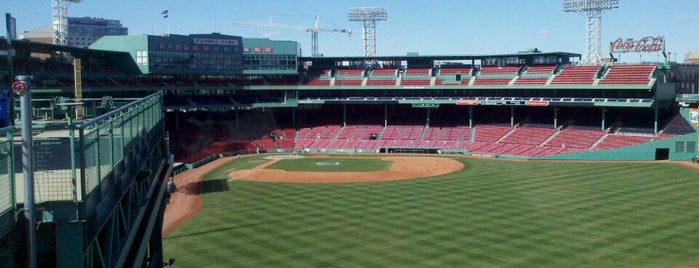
<point>691,147</point>
<point>142,58</point>
<point>679,147</point>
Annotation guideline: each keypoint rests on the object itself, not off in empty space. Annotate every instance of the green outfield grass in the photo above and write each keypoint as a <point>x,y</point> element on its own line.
<point>493,213</point>
<point>335,164</point>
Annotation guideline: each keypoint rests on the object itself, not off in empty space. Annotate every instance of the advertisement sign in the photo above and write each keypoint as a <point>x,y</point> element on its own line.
<point>694,116</point>
<point>537,103</point>
<point>466,102</point>
<point>647,44</point>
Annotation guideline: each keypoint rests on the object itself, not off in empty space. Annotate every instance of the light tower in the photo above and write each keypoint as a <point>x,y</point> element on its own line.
<point>592,10</point>
<point>368,16</point>
<point>59,11</point>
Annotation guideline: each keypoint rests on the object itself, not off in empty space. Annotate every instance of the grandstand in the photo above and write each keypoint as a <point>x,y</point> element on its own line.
<point>536,104</point>
<point>528,105</point>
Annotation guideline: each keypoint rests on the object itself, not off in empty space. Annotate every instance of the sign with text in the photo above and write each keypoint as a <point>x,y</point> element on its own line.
<point>537,103</point>
<point>211,41</point>
<point>648,44</point>
<point>467,102</point>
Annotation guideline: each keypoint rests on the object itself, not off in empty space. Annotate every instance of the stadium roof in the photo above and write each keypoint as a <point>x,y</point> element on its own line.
<point>415,56</point>
<point>37,47</point>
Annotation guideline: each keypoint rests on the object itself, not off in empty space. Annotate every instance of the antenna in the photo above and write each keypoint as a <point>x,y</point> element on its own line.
<point>368,16</point>
<point>592,10</point>
<point>59,10</point>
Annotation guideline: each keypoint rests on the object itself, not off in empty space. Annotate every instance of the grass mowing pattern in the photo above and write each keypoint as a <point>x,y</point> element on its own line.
<point>492,213</point>
<point>344,164</point>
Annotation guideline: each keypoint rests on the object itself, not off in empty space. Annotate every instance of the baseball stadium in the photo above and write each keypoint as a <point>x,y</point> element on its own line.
<point>215,150</point>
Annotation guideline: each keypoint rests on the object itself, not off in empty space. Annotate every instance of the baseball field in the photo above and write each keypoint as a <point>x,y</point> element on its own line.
<point>432,211</point>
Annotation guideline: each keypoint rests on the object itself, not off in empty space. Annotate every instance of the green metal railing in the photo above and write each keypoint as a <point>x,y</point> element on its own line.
<point>7,178</point>
<point>96,147</point>
<point>108,138</point>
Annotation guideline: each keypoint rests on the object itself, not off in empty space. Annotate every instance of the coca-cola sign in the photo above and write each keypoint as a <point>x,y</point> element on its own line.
<point>648,44</point>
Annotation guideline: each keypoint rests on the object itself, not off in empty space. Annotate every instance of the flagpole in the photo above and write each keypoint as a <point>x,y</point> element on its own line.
<point>166,15</point>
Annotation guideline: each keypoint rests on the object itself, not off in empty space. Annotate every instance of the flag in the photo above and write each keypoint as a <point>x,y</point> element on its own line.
<point>164,13</point>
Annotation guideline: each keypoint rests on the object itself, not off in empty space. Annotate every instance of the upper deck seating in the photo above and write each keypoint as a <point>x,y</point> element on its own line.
<point>384,72</point>
<point>350,72</point>
<point>380,82</point>
<point>540,69</point>
<point>572,74</point>
<point>317,82</point>
<point>631,74</point>
<point>348,82</point>
<point>349,77</point>
<point>418,72</point>
<point>318,72</point>
<point>452,71</point>
<point>283,81</point>
<point>406,81</point>
<point>491,81</point>
<point>317,77</point>
<point>497,70</point>
<point>531,80</point>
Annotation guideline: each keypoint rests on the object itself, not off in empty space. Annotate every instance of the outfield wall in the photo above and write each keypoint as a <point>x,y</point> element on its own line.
<point>680,148</point>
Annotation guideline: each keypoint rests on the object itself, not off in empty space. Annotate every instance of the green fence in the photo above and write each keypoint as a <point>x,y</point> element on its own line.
<point>7,194</point>
<point>91,150</point>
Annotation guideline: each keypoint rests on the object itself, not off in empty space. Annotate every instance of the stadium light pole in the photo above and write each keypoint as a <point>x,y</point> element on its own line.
<point>368,16</point>
<point>592,10</point>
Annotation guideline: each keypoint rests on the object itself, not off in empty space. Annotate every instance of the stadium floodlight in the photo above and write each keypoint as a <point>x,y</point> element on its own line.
<point>368,16</point>
<point>592,10</point>
<point>59,12</point>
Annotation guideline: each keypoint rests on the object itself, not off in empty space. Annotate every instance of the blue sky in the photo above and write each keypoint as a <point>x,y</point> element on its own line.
<point>438,27</point>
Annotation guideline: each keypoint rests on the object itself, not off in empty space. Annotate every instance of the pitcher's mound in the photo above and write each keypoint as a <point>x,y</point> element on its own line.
<point>404,167</point>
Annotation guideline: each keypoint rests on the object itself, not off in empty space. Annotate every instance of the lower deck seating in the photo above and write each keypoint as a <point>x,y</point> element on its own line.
<point>525,141</point>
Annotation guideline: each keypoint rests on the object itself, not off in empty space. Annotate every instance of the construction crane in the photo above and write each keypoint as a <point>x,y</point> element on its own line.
<point>59,11</point>
<point>313,29</point>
